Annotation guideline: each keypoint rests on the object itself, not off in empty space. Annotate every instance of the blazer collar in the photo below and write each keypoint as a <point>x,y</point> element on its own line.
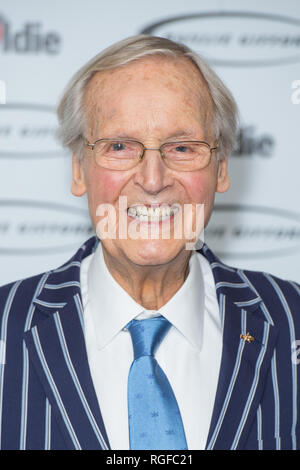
<point>63,283</point>
<point>57,349</point>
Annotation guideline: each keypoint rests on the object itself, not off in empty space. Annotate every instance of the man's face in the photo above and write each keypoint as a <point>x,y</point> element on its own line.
<point>155,100</point>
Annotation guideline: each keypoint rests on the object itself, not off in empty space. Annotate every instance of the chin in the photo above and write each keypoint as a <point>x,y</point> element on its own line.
<point>153,252</point>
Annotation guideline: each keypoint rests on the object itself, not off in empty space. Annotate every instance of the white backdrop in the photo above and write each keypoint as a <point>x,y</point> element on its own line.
<point>253,45</point>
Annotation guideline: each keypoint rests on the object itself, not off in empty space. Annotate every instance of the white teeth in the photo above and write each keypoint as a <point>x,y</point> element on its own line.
<point>146,214</point>
<point>132,211</point>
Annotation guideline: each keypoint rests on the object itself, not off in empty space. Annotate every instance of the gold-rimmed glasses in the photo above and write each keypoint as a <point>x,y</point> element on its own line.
<point>125,154</point>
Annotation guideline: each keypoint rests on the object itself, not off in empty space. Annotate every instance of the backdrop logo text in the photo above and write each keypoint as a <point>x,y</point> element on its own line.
<point>30,38</point>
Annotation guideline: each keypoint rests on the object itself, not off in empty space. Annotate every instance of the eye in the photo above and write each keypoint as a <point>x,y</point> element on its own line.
<point>117,146</point>
<point>181,148</point>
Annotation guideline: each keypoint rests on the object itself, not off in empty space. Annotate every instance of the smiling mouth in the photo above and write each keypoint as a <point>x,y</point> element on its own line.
<point>151,214</point>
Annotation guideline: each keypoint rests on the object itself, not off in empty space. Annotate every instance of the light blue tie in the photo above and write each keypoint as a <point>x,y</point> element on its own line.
<point>154,417</point>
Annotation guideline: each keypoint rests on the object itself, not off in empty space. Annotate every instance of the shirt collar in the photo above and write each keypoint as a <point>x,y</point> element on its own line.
<point>112,307</point>
<point>185,310</point>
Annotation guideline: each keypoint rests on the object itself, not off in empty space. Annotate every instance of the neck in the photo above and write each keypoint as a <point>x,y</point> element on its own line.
<point>150,286</point>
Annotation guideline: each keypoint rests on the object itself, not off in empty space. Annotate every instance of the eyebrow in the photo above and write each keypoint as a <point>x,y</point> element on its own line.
<point>181,134</point>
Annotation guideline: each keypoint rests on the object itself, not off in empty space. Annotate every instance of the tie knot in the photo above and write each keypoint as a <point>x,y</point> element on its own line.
<point>146,335</point>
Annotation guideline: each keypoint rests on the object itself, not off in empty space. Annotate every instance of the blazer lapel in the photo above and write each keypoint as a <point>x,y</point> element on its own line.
<point>57,350</point>
<point>243,364</point>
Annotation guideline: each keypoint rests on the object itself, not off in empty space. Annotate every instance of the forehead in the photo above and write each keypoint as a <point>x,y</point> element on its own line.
<point>153,83</point>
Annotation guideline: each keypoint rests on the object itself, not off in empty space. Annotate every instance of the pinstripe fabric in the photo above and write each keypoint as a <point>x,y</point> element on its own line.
<point>47,398</point>
<point>47,426</point>
<point>259,433</point>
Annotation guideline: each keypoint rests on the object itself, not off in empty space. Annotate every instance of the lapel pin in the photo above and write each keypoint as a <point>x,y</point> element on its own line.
<point>247,337</point>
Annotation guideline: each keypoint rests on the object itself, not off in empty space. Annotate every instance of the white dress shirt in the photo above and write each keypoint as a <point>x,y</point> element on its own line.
<point>189,354</point>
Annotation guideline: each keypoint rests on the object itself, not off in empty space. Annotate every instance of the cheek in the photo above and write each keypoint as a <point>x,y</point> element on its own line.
<point>104,186</point>
<point>201,187</point>
<point>201,190</point>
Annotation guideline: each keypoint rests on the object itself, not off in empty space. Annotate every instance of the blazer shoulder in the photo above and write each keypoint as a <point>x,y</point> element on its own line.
<point>18,295</point>
<point>260,279</point>
<point>279,295</point>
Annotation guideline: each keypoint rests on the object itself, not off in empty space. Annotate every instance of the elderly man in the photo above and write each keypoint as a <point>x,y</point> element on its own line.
<point>142,341</point>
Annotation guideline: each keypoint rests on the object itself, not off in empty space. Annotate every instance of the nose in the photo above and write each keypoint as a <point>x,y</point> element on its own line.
<point>151,173</point>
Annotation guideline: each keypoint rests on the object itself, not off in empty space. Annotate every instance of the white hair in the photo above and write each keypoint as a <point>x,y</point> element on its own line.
<point>71,113</point>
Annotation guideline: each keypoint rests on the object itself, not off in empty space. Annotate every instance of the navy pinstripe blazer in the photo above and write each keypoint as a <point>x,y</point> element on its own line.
<point>47,398</point>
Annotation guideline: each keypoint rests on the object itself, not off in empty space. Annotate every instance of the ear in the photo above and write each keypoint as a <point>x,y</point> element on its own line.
<point>223,182</point>
<point>78,187</point>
